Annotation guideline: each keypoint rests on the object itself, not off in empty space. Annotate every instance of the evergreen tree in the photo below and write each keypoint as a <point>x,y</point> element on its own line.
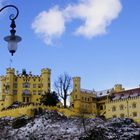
<point>49,99</point>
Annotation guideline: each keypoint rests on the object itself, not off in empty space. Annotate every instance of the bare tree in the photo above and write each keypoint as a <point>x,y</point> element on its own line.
<point>62,86</point>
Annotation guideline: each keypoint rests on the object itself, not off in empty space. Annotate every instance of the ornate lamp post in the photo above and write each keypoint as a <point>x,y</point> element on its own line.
<point>12,39</point>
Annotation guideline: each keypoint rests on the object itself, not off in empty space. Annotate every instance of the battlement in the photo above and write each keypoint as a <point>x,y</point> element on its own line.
<point>45,71</point>
<point>122,100</point>
<point>10,70</point>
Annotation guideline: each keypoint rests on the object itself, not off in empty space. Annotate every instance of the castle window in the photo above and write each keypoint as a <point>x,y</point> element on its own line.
<point>39,92</point>
<point>134,105</point>
<point>88,99</point>
<point>134,114</point>
<point>122,115</point>
<point>85,98</point>
<point>27,99</point>
<point>26,92</point>
<point>26,85</point>
<point>75,90</point>
<point>121,107</point>
<point>101,107</point>
<point>34,85</point>
<point>39,85</point>
<point>82,98</point>
<point>75,96</point>
<point>113,108</point>
<point>23,99</point>
<point>34,92</point>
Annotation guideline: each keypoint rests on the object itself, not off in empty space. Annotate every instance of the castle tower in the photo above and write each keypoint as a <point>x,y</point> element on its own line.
<point>46,82</point>
<point>76,84</point>
<point>9,87</point>
<point>0,89</point>
<point>118,88</point>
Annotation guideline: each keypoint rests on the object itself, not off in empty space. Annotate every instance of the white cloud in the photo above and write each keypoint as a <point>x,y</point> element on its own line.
<point>49,25</point>
<point>95,16</point>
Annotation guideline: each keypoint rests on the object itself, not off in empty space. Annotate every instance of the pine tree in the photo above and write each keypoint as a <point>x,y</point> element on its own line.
<point>49,99</point>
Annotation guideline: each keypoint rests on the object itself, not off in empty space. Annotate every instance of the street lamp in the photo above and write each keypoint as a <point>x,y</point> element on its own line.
<point>12,39</point>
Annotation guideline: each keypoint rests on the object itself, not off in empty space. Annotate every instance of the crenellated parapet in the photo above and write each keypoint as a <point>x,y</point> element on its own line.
<point>123,100</point>
<point>10,71</point>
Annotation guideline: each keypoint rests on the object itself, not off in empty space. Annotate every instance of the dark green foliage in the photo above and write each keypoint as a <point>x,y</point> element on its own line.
<point>49,99</point>
<point>24,72</point>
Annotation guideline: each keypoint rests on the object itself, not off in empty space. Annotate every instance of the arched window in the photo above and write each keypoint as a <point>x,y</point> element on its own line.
<point>113,108</point>
<point>101,107</point>
<point>121,107</point>
<point>134,105</point>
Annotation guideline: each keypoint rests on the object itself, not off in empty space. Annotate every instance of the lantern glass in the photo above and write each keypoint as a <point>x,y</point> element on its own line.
<point>12,46</point>
<point>12,43</point>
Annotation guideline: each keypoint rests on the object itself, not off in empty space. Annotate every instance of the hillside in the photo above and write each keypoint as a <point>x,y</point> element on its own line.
<point>54,126</point>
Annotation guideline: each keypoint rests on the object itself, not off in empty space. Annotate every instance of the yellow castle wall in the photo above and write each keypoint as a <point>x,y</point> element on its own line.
<point>102,105</point>
<point>129,110</point>
<point>12,86</point>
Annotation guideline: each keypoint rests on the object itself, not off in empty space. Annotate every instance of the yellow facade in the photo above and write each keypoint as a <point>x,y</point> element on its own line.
<point>114,102</point>
<point>83,100</point>
<point>28,88</point>
<point>24,88</point>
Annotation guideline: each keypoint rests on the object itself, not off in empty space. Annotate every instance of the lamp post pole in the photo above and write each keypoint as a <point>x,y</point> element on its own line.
<point>12,39</point>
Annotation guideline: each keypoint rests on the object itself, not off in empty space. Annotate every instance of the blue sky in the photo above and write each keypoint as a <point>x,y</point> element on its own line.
<point>102,47</point>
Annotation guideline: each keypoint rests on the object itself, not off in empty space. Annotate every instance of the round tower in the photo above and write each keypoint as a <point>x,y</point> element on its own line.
<point>46,79</point>
<point>9,87</point>
<point>76,84</point>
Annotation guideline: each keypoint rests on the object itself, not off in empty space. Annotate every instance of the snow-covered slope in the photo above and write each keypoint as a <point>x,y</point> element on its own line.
<point>54,126</point>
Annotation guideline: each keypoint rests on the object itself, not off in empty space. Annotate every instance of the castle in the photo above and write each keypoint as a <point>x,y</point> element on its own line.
<point>27,89</point>
<point>114,102</point>
<point>23,87</point>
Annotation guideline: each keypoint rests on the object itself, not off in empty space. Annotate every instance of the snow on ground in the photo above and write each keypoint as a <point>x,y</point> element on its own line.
<point>54,126</point>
